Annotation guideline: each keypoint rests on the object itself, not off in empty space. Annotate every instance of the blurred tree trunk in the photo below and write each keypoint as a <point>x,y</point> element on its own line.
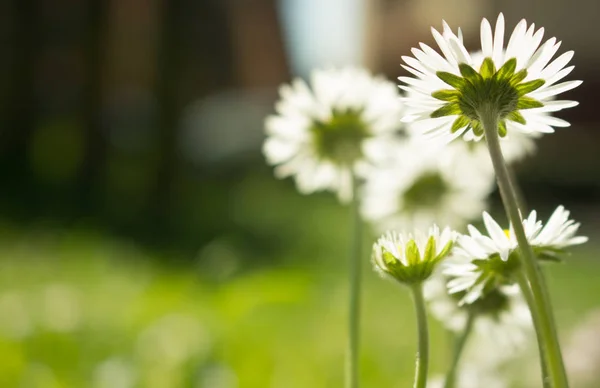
<point>22,87</point>
<point>167,97</point>
<point>259,57</point>
<point>95,139</point>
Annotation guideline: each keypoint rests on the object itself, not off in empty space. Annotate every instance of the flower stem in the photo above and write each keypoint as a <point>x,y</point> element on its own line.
<point>545,325</point>
<point>352,375</point>
<point>423,346</point>
<point>450,380</point>
<point>524,284</point>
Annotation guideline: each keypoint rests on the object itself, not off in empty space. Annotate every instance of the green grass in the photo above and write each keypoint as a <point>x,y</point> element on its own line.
<point>78,309</point>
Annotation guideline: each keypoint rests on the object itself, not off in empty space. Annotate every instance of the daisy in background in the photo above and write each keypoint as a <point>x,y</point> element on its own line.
<point>322,133</point>
<point>474,158</point>
<point>424,186</point>
<point>519,82</point>
<point>501,320</point>
<point>481,262</point>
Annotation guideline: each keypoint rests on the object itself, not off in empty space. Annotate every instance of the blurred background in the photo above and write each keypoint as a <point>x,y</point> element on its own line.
<point>145,243</point>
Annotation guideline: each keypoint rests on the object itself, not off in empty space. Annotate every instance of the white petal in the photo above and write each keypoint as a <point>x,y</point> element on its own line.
<point>461,53</point>
<point>495,231</point>
<point>558,76</point>
<point>516,39</point>
<point>541,58</point>
<point>553,121</point>
<point>486,39</point>
<point>556,65</point>
<point>443,45</point>
<point>555,89</point>
<point>499,41</point>
<point>555,106</point>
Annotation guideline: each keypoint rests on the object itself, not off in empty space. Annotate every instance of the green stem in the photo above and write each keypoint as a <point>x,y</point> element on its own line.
<point>545,325</point>
<point>524,284</point>
<point>450,380</point>
<point>521,203</point>
<point>355,285</point>
<point>423,347</point>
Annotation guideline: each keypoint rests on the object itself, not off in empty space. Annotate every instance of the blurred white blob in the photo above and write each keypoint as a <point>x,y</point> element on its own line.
<point>60,309</point>
<point>15,319</point>
<point>217,376</point>
<point>327,130</point>
<point>173,340</point>
<point>582,353</point>
<point>114,373</point>
<point>223,125</point>
<point>220,258</point>
<point>425,185</point>
<point>497,336</point>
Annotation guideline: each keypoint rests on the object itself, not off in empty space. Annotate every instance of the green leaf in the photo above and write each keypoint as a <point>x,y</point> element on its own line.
<point>507,70</point>
<point>429,254</point>
<point>528,103</point>
<point>413,256</point>
<point>461,122</point>
<point>446,95</point>
<point>488,69</point>
<point>518,77</point>
<point>502,128</point>
<point>516,116</point>
<point>469,73</point>
<point>447,110</point>
<point>528,87</point>
<point>451,79</point>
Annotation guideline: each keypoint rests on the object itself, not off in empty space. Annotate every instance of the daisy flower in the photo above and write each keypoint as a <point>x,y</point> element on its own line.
<point>411,259</point>
<point>501,317</point>
<point>482,262</point>
<point>421,188</point>
<point>474,157</point>
<point>321,131</point>
<point>518,82</point>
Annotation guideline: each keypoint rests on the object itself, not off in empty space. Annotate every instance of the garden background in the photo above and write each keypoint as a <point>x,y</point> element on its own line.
<point>145,243</point>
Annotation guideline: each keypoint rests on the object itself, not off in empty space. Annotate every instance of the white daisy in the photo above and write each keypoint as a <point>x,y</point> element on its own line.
<point>480,262</point>
<point>321,134</point>
<point>423,186</point>
<point>501,320</point>
<point>501,315</point>
<point>474,157</point>
<point>519,82</point>
<point>411,258</point>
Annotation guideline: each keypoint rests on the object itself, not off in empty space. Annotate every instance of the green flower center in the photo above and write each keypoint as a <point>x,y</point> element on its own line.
<point>502,90</point>
<point>426,192</point>
<point>339,140</point>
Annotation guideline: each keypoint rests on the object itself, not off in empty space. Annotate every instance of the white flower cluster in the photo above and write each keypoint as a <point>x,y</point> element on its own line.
<point>349,126</point>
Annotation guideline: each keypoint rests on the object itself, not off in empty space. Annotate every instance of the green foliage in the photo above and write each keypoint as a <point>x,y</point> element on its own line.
<point>81,310</point>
